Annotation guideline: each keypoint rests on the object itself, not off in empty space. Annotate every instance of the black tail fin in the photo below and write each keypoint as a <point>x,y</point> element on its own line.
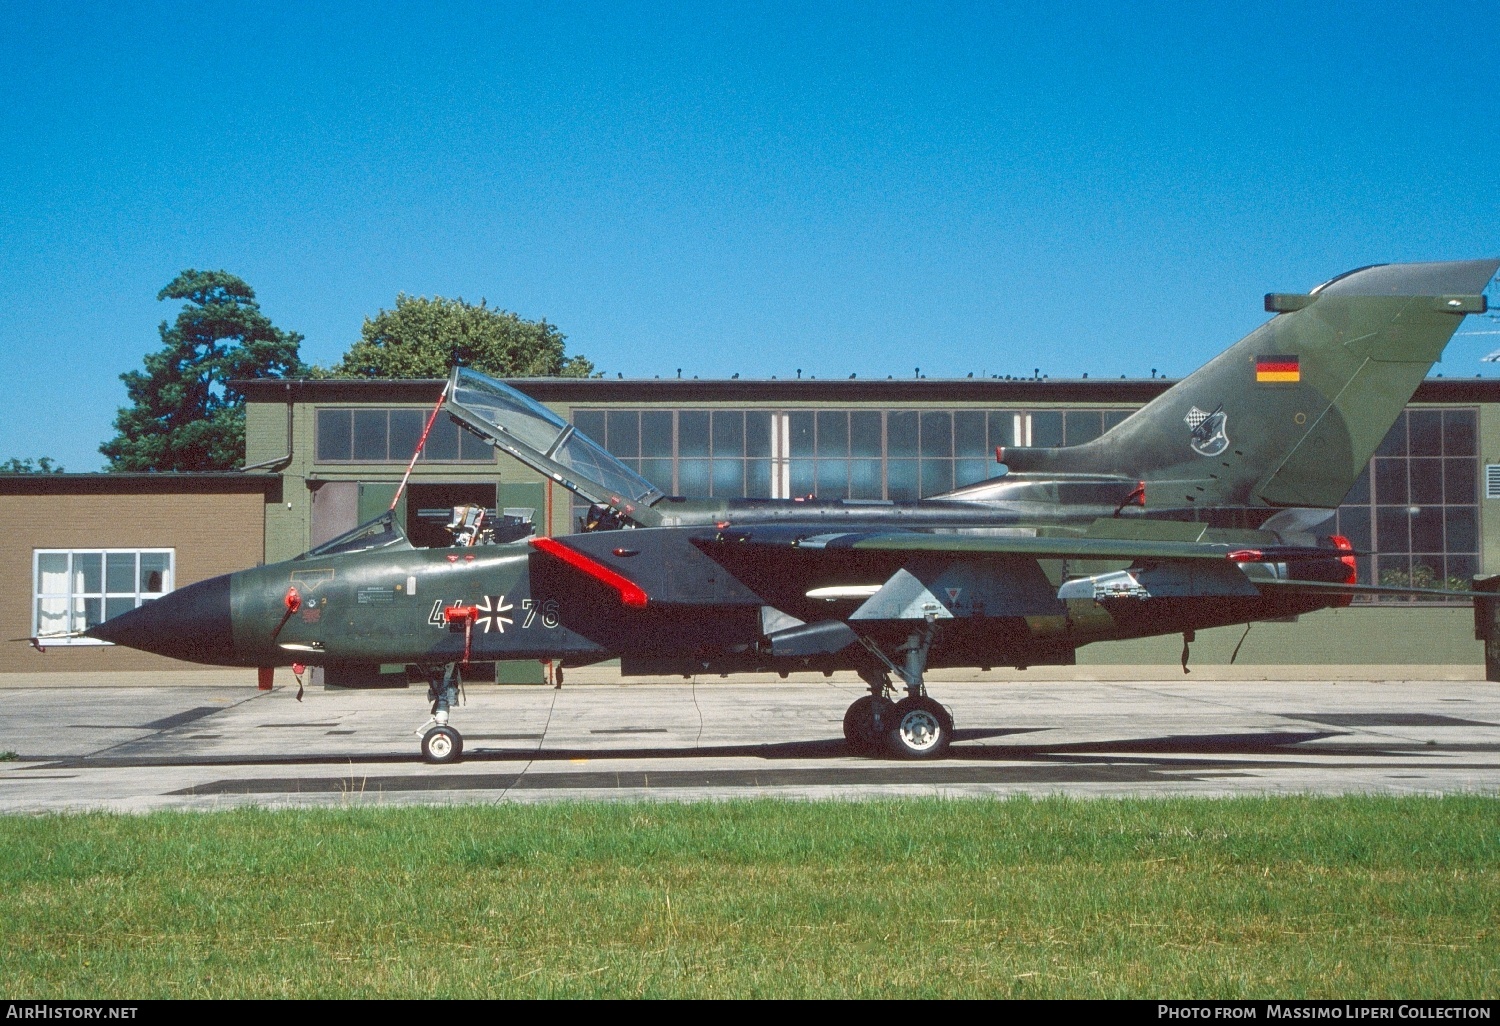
<point>1291,414</point>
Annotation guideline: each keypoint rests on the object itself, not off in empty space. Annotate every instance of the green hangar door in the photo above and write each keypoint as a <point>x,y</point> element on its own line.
<point>429,509</point>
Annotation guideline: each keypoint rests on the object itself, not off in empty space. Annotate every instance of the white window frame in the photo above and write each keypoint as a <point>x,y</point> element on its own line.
<point>781,455</point>
<point>73,598</point>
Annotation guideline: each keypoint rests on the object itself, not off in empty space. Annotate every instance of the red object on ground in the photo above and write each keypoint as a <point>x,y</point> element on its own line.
<point>631,594</point>
<point>264,675</point>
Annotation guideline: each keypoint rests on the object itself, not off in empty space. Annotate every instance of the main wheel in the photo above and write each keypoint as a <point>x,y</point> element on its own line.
<point>860,729</point>
<point>442,744</point>
<point>919,728</point>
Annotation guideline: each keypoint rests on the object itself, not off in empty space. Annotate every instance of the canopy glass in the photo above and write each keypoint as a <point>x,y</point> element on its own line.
<point>539,437</point>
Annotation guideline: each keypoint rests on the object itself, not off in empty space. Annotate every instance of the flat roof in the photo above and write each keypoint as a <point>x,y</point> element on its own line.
<point>998,391</point>
<point>103,482</point>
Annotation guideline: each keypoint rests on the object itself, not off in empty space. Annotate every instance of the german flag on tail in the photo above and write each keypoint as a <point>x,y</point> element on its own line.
<point>1278,369</point>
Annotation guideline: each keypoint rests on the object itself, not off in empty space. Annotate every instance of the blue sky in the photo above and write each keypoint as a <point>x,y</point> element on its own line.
<point>749,188</point>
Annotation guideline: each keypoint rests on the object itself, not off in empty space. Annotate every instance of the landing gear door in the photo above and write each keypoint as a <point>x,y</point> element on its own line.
<point>539,438</point>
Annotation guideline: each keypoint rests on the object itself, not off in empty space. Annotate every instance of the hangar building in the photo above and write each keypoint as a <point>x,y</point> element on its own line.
<point>324,455</point>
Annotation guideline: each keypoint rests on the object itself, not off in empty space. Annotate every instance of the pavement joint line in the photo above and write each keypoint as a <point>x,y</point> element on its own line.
<point>1238,708</point>
<point>156,733</point>
<point>1159,692</point>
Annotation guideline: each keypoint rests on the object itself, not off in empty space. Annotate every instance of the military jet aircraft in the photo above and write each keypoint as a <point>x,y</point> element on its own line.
<point>1199,510</point>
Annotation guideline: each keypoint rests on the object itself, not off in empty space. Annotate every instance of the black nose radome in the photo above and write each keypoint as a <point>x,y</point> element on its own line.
<point>190,623</point>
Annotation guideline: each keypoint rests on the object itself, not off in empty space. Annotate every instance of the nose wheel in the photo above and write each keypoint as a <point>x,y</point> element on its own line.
<point>442,744</point>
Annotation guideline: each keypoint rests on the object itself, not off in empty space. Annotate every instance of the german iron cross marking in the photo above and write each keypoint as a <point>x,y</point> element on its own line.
<point>491,612</point>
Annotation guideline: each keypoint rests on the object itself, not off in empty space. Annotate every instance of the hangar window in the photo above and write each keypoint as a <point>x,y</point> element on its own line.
<point>834,454</point>
<point>366,435</point>
<point>75,589</point>
<point>1416,506</point>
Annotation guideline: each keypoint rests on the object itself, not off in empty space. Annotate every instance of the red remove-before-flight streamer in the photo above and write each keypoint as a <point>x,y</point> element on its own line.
<point>420,442</point>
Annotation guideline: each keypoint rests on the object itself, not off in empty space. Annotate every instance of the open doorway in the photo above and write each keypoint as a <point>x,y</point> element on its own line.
<point>429,509</point>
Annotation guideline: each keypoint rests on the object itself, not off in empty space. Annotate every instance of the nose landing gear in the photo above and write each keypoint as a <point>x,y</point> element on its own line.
<point>441,743</point>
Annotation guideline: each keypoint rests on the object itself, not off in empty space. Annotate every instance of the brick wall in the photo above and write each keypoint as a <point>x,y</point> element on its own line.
<point>212,533</point>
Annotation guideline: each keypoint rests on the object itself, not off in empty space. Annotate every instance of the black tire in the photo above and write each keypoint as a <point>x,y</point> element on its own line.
<point>860,730</point>
<point>919,728</point>
<point>442,745</point>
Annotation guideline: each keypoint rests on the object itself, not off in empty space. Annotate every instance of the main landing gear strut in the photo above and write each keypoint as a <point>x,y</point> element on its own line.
<point>441,743</point>
<point>916,727</point>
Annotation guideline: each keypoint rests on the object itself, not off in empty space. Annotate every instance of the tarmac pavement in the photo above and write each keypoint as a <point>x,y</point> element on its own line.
<point>136,749</point>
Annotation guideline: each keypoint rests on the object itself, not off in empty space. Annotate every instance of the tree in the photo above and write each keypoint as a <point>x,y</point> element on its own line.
<point>423,338</point>
<point>41,465</point>
<point>185,415</point>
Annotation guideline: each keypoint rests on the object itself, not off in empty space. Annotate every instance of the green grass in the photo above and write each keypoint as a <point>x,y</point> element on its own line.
<point>1285,897</point>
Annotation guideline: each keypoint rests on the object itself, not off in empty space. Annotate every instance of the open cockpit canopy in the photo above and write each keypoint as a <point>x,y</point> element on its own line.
<point>536,436</point>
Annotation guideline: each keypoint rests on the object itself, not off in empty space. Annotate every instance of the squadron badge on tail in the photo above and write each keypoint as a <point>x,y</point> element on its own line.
<point>1208,436</point>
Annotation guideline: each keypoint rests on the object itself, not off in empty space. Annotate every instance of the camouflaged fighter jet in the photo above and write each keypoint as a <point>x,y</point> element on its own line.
<point>1199,510</point>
